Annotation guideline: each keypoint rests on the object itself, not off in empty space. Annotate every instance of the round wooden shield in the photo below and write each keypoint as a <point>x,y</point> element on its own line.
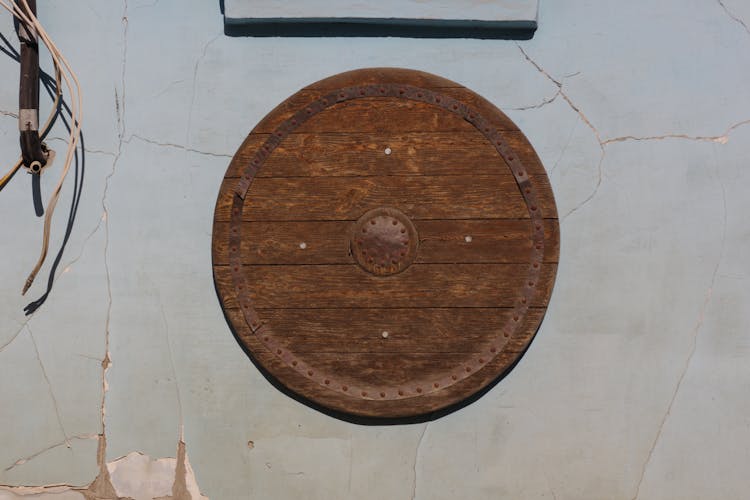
<point>385,243</point>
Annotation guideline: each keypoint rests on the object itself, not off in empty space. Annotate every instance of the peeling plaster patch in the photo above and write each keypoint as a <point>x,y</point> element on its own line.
<point>139,477</point>
<point>135,477</point>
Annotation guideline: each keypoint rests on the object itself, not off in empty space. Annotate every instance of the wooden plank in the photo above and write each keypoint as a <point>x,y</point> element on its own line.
<point>440,241</point>
<point>440,330</point>
<point>414,153</point>
<point>347,198</point>
<point>383,114</point>
<point>421,285</point>
<point>377,76</point>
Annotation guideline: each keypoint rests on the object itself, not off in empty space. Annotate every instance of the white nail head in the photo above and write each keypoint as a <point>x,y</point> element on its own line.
<point>387,151</point>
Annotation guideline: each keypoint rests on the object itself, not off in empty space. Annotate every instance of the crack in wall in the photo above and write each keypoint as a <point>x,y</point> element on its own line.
<point>541,104</point>
<point>195,81</point>
<point>49,386</point>
<point>736,18</point>
<point>694,342</point>
<point>176,146</point>
<point>719,139</point>
<point>583,117</point>
<point>416,461</point>
<point>603,143</point>
<point>65,442</point>
<point>181,428</point>
<point>9,113</point>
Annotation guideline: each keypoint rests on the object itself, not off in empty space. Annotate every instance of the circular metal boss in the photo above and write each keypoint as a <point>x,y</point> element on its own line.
<point>385,245</point>
<point>384,241</point>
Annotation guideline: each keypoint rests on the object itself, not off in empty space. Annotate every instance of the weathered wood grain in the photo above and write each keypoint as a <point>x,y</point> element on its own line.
<point>440,241</point>
<point>363,154</point>
<point>380,114</point>
<point>428,330</point>
<point>470,273</point>
<point>375,76</point>
<point>420,285</point>
<point>347,198</point>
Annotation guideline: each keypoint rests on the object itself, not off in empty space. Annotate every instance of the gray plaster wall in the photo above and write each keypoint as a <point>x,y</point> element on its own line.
<point>636,387</point>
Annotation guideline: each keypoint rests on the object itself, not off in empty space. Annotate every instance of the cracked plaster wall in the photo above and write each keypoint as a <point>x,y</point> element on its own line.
<point>637,386</point>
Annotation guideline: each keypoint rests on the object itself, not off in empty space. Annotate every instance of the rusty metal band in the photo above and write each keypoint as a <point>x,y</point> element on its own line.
<point>500,344</point>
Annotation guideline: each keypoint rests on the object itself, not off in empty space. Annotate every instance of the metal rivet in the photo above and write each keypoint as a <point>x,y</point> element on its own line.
<point>327,382</point>
<point>520,173</point>
<point>400,392</point>
<point>278,351</point>
<point>515,318</point>
<point>387,151</point>
<point>531,283</point>
<point>436,385</point>
<point>506,334</point>
<point>364,394</point>
<point>454,377</point>
<point>310,373</point>
<point>294,363</point>
<point>384,335</point>
<point>344,388</point>
<point>468,368</point>
<point>419,390</point>
<point>468,238</point>
<point>382,394</point>
<point>372,222</point>
<point>533,208</point>
<point>303,245</point>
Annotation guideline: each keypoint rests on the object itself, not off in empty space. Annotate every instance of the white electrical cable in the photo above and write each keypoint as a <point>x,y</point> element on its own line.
<point>27,17</point>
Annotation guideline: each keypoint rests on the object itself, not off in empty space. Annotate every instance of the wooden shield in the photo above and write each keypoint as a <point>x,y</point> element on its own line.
<point>385,243</point>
